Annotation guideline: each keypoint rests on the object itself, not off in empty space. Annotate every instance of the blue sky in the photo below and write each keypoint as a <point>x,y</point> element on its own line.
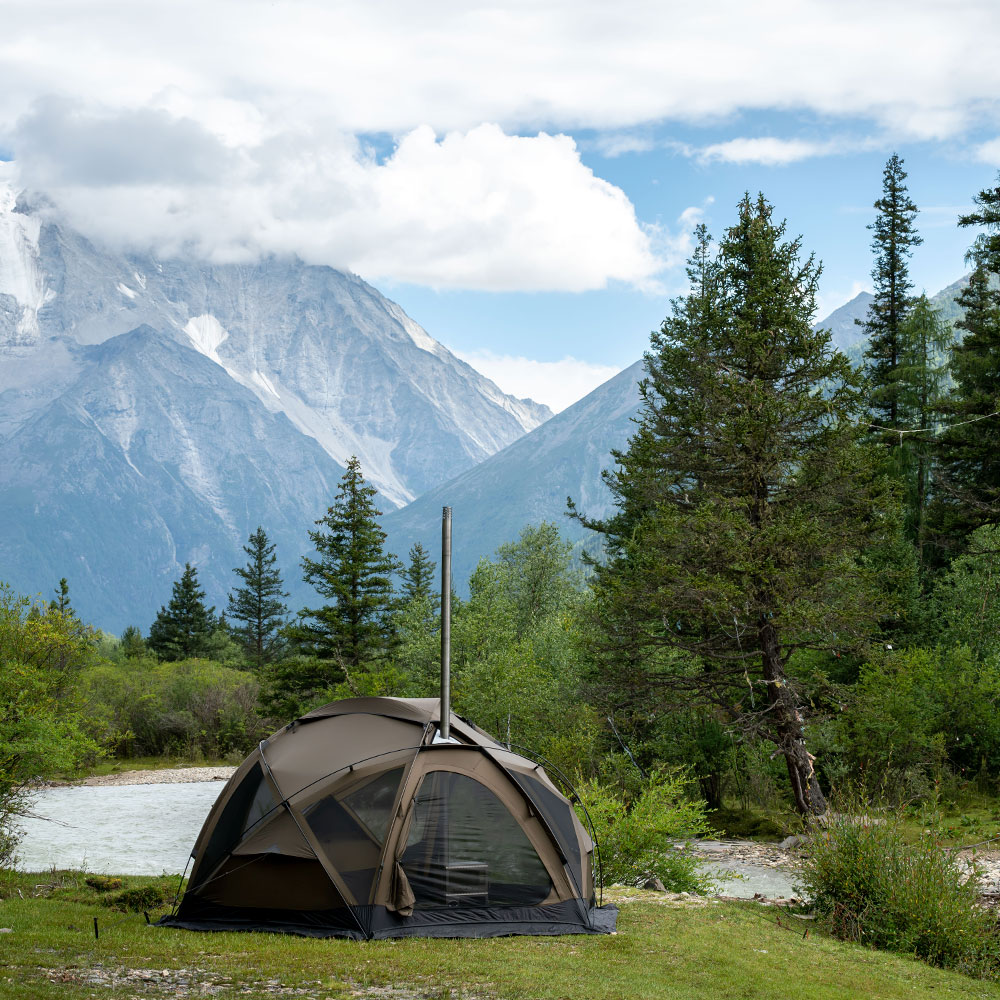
<point>522,176</point>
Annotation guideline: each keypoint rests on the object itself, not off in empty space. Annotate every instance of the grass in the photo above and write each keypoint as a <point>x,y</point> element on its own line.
<point>663,950</point>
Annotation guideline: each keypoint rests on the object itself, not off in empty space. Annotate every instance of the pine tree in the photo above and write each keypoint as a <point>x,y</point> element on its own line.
<point>892,244</point>
<point>258,605</point>
<point>185,627</point>
<point>131,643</point>
<point>420,585</point>
<point>61,601</point>
<point>985,251</point>
<point>354,630</point>
<point>967,471</point>
<point>743,499</point>
<point>922,377</point>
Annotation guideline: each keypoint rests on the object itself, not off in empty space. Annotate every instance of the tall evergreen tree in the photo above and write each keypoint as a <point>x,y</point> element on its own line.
<point>419,608</point>
<point>354,630</point>
<point>968,473</point>
<point>419,580</point>
<point>985,251</point>
<point>743,499</point>
<point>61,601</point>
<point>924,342</point>
<point>185,627</point>
<point>893,240</point>
<point>258,605</point>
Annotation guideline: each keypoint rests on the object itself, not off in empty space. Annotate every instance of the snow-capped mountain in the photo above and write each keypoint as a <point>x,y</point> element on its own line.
<point>154,412</point>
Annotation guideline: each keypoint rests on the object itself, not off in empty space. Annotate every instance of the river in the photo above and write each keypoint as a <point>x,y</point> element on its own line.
<point>150,829</point>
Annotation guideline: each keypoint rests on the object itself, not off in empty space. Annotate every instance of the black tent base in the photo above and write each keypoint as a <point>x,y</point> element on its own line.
<point>376,922</point>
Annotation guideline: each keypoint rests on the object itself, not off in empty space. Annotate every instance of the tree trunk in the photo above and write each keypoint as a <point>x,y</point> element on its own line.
<point>787,724</point>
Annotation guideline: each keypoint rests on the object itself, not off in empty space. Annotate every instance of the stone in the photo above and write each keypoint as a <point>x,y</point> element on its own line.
<point>654,883</point>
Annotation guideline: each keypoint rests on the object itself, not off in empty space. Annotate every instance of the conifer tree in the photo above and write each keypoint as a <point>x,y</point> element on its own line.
<point>743,499</point>
<point>967,470</point>
<point>131,643</point>
<point>893,240</point>
<point>354,630</point>
<point>420,584</point>
<point>985,250</point>
<point>258,605</point>
<point>185,627</point>
<point>968,473</point>
<point>61,601</point>
<point>922,376</point>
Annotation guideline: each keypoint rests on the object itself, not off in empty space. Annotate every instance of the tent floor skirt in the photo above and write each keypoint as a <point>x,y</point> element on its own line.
<point>380,923</point>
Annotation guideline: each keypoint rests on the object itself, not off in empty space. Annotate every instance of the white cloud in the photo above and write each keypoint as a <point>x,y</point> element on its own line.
<point>557,64</point>
<point>766,150</point>
<point>477,209</point>
<point>989,152</point>
<point>558,384</point>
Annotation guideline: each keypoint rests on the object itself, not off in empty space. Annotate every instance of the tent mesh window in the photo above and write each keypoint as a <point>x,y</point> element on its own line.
<point>232,822</point>
<point>351,823</point>
<point>558,813</point>
<point>465,849</point>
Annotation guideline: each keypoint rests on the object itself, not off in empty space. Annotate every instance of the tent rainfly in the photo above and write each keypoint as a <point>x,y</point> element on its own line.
<point>357,820</point>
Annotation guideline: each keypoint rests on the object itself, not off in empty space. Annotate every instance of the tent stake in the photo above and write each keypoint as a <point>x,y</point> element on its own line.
<point>446,623</point>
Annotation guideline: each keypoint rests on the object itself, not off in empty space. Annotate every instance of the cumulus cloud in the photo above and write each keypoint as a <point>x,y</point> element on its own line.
<point>989,152</point>
<point>558,384</point>
<point>475,209</point>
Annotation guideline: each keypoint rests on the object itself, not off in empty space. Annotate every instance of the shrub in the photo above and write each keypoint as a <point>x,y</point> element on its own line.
<point>195,707</point>
<point>103,883</point>
<point>637,833</point>
<point>872,886</point>
<point>147,897</point>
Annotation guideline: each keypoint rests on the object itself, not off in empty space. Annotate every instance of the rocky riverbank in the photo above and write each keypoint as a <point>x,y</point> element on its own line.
<point>163,776</point>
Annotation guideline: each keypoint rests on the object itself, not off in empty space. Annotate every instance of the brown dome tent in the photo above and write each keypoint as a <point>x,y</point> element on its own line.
<point>358,821</point>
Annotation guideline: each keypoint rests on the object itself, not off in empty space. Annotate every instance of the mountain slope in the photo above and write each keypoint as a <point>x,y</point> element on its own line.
<point>146,482</point>
<point>528,482</point>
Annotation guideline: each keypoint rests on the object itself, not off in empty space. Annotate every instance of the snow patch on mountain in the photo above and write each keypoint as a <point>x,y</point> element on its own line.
<point>207,335</point>
<point>21,276</point>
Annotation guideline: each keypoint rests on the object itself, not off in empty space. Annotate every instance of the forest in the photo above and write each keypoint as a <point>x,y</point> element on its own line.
<point>795,601</point>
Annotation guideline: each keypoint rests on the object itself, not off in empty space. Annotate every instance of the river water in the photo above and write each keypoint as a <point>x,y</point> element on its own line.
<point>151,829</point>
<point>124,829</point>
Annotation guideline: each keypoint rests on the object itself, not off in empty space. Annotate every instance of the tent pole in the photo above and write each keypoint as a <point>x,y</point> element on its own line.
<point>446,623</point>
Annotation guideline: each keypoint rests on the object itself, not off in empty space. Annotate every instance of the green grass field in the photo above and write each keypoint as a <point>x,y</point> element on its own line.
<point>663,949</point>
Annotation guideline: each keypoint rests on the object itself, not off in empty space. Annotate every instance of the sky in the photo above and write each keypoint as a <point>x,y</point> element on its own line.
<point>522,176</point>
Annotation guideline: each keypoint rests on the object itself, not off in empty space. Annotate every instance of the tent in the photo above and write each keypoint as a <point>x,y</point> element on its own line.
<point>357,820</point>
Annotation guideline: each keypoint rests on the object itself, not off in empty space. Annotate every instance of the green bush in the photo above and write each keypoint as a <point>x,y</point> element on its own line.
<point>871,886</point>
<point>191,707</point>
<point>637,833</point>
<point>147,897</point>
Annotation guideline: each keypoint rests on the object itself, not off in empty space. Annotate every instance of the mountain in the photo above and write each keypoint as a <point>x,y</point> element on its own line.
<point>528,482</point>
<point>154,412</point>
<point>847,336</point>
